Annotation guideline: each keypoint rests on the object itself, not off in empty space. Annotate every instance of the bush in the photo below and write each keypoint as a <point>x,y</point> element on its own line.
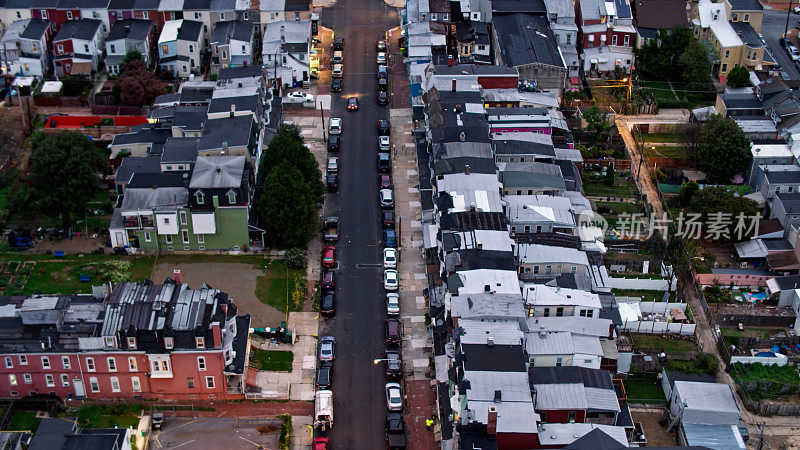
<point>286,432</point>
<point>296,258</point>
<point>704,364</point>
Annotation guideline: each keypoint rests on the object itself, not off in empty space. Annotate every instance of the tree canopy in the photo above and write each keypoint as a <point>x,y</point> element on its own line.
<point>713,201</point>
<point>65,172</point>
<point>656,62</point>
<point>695,62</point>
<point>293,189</point>
<point>136,85</point>
<point>721,149</point>
<point>738,77</point>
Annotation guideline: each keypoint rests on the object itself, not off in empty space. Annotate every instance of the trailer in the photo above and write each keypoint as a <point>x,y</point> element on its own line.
<point>331,229</point>
<point>323,410</point>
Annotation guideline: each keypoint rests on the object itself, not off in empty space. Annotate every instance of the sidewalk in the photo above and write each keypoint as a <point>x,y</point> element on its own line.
<point>640,169</point>
<point>261,408</point>
<point>299,383</point>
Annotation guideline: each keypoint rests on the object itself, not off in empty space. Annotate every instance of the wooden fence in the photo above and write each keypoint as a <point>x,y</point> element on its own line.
<point>62,101</point>
<point>751,342</point>
<point>619,164</point>
<point>770,409</point>
<point>101,132</point>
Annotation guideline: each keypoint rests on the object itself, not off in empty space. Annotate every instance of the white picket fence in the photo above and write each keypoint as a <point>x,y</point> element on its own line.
<point>655,326</point>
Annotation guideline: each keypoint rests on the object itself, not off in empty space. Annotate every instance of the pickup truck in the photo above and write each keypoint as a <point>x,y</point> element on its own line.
<point>323,410</point>
<point>331,229</point>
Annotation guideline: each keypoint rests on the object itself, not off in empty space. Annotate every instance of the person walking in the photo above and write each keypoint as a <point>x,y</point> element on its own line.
<point>428,423</point>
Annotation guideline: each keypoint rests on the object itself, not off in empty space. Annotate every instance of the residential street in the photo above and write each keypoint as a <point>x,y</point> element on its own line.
<point>772,29</point>
<point>359,404</point>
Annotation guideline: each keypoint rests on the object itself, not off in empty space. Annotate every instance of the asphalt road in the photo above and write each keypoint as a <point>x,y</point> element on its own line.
<point>359,408</point>
<point>772,30</point>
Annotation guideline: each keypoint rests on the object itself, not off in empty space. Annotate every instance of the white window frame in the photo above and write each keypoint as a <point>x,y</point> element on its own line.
<point>232,194</point>
<point>199,197</point>
<point>182,216</point>
<point>23,360</point>
<point>94,386</point>
<point>9,363</point>
<point>132,366</point>
<point>185,236</point>
<point>201,238</point>
<point>65,362</point>
<point>626,41</point>
<point>86,48</point>
<point>136,385</point>
<point>200,342</point>
<point>90,367</point>
<point>49,380</point>
<point>169,343</point>
<point>613,39</point>
<point>69,15</point>
<point>210,383</point>
<point>115,384</point>
<point>131,342</point>
<point>144,15</point>
<point>109,341</point>
<point>112,47</point>
<point>46,363</point>
<point>64,380</point>
<point>112,364</point>
<point>60,48</point>
<point>201,363</point>
<point>27,378</point>
<point>12,379</point>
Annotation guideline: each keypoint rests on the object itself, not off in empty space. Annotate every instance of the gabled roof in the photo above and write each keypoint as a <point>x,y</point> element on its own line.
<point>745,5</point>
<point>35,29</point>
<point>135,29</point>
<point>84,29</point>
<point>218,172</point>
<point>185,30</point>
<point>229,30</point>
<point>656,14</point>
<point>518,6</point>
<point>526,39</point>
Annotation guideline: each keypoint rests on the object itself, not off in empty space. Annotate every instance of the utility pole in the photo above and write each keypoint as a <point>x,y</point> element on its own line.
<point>788,14</point>
<point>322,115</point>
<point>761,427</point>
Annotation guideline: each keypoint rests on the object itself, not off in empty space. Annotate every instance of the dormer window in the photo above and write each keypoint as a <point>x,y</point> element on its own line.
<point>168,343</point>
<point>200,342</point>
<point>200,197</point>
<point>131,342</point>
<point>231,197</point>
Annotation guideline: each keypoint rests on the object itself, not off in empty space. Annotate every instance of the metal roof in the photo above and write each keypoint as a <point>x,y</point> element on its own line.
<point>717,437</point>
<point>218,172</point>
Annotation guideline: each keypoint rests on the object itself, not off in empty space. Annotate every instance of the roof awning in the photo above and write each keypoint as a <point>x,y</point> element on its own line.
<point>81,68</point>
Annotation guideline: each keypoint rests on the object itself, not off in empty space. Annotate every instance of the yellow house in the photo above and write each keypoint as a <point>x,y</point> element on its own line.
<point>731,29</point>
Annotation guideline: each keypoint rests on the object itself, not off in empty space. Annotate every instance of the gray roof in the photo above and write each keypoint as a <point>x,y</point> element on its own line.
<point>189,117</point>
<point>135,29</point>
<point>179,150</point>
<point>84,29</point>
<point>721,437</point>
<point>131,165</point>
<point>487,305</point>
<point>526,39</point>
<point>515,147</point>
<point>142,136</point>
<point>145,199</point>
<point>190,30</point>
<point>235,131</point>
<point>242,103</point>
<point>229,30</point>
<point>218,172</point>
<point>576,324</point>
<point>35,29</point>
<point>52,433</point>
<point>511,179</point>
<point>712,397</point>
<point>790,201</point>
<point>784,176</point>
<point>745,5</point>
<point>747,34</point>
<point>474,69</point>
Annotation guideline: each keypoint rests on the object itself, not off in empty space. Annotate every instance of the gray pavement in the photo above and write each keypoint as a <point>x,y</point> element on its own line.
<point>229,433</point>
<point>772,28</point>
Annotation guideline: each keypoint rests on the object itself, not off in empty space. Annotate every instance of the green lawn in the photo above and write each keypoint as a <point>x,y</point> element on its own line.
<point>664,151</point>
<point>649,341</point>
<point>644,294</point>
<point>272,360</point>
<point>644,391</point>
<point>24,420</point>
<point>123,421</point>
<point>621,189</point>
<point>618,208</point>
<point>277,284</point>
<point>661,138</point>
<point>109,416</point>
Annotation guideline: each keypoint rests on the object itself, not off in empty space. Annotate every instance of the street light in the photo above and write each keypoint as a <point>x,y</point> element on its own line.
<point>378,360</point>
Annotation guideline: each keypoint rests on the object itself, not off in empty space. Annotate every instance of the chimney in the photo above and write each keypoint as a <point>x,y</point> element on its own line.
<point>466,169</point>
<point>491,425</point>
<point>611,331</point>
<point>490,341</point>
<point>233,110</point>
<point>462,136</point>
<point>224,147</point>
<point>216,333</point>
<point>176,275</point>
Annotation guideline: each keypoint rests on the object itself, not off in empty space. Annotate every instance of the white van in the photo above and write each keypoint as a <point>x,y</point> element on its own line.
<point>338,70</point>
<point>338,57</point>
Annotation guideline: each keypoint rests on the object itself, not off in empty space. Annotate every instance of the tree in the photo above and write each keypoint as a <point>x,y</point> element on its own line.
<point>288,146</point>
<point>65,172</point>
<point>287,206</point>
<point>133,55</point>
<point>721,151</point>
<point>687,192</point>
<point>131,92</point>
<point>695,62</point>
<point>137,86</point>
<point>715,204</point>
<point>655,61</point>
<point>738,77</point>
<point>597,123</point>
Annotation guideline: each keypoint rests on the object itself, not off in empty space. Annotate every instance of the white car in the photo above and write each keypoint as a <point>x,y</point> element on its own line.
<point>386,198</point>
<point>335,126</point>
<point>333,164</point>
<point>299,97</point>
<point>394,397</point>
<point>390,279</point>
<point>796,10</point>
<point>393,304</point>
<point>338,71</point>
<point>381,59</point>
<point>389,258</point>
<point>383,144</point>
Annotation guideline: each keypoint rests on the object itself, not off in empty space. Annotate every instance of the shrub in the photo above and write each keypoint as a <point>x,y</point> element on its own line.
<point>296,258</point>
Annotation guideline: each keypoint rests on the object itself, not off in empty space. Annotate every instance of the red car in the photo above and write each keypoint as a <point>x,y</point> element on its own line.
<point>320,443</point>
<point>384,181</point>
<point>328,256</point>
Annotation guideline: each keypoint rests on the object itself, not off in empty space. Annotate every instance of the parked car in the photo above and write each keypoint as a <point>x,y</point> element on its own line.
<point>320,443</point>
<point>333,164</point>
<point>338,43</point>
<point>784,42</point>
<point>386,198</point>
<point>337,84</point>
<point>383,127</point>
<point>796,10</point>
<point>298,97</point>
<point>384,181</point>
<point>327,347</point>
<point>383,72</point>
<point>793,52</point>
<point>393,304</point>
<point>383,98</point>
<point>381,46</point>
<point>394,397</point>
<point>389,258</point>
<point>324,376</point>
<point>384,143</point>
<point>352,104</point>
<point>332,181</point>
<point>334,142</point>
<point>390,280</point>
<point>394,332</point>
<point>327,304</point>
<point>394,423</point>
<point>338,57</point>
<point>387,219</point>
<point>328,280</point>
<point>329,256</point>
<point>335,126</point>
<point>383,85</point>
<point>384,163</point>
<point>389,238</point>
<point>338,71</point>
<point>394,365</point>
<point>381,59</point>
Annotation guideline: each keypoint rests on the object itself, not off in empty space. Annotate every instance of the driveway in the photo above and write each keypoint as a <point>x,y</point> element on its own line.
<point>237,280</point>
<point>230,433</point>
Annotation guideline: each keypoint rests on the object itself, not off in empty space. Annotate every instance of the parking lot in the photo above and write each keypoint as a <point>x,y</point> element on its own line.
<point>230,433</point>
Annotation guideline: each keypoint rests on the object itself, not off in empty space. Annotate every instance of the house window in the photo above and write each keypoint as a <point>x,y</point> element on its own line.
<point>23,360</point>
<point>224,54</point>
<point>210,382</point>
<point>583,313</point>
<point>49,380</point>
<point>26,377</point>
<point>112,48</point>
<point>144,15</point>
<point>94,385</point>
<point>231,197</point>
<point>164,49</point>
<point>205,29</point>
<point>112,364</point>
<point>197,15</point>
<point>65,362</point>
<point>86,48</point>
<point>185,236</point>
<point>169,239</point>
<point>199,197</point>
<point>147,237</point>
<point>735,17</point>
<point>614,40</point>
<point>131,342</point>
<point>246,16</point>
<point>110,342</point>
<point>535,269</point>
<point>589,313</point>
<point>90,364</point>
<point>201,363</point>
<point>727,54</point>
<point>190,383</point>
<point>546,312</point>
<point>114,384</point>
<point>45,362</point>
<point>569,38</point>
<point>200,342</point>
<point>560,311</point>
<point>60,48</point>
<point>191,48</point>
<point>69,15</point>
<point>12,379</point>
<point>9,363</point>
<point>559,362</point>
<point>724,68</point>
<point>168,343</point>
<point>44,14</point>
<point>571,416</point>
<point>132,363</point>
<point>137,386</point>
<point>297,16</point>
<point>201,239</point>
<point>574,269</point>
<point>64,379</point>
<point>182,215</point>
<point>548,270</point>
<point>746,17</point>
<point>626,40</point>
<point>19,15</point>
<point>244,49</point>
<point>222,16</point>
